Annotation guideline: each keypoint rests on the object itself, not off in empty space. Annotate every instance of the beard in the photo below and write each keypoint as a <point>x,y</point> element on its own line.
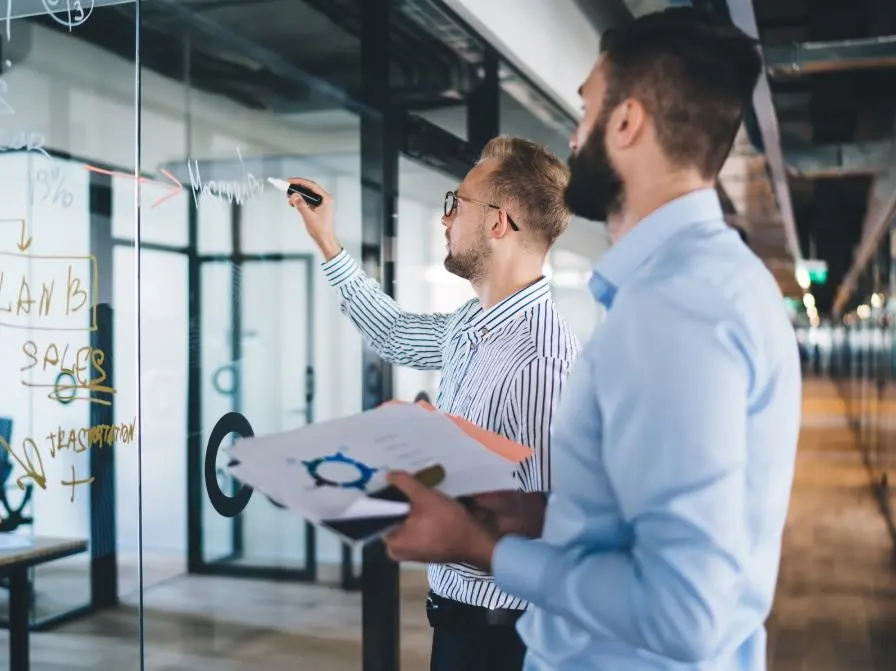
<point>595,189</point>
<point>469,264</point>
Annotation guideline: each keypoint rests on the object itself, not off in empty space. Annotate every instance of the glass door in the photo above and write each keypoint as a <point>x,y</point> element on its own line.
<point>257,363</point>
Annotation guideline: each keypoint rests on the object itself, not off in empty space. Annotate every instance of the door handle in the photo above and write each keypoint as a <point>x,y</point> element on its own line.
<point>309,386</point>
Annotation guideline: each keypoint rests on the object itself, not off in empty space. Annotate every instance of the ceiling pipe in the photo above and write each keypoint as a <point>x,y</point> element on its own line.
<point>841,160</point>
<point>744,17</point>
<point>210,28</point>
<point>794,60</point>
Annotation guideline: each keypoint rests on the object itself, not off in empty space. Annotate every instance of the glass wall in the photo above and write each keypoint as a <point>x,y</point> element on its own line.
<point>158,300</point>
<point>863,361</point>
<point>69,430</point>
<point>859,353</point>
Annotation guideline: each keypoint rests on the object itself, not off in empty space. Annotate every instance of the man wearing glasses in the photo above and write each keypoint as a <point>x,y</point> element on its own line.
<point>504,356</point>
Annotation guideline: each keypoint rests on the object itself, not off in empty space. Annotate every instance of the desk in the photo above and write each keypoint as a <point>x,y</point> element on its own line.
<point>15,564</point>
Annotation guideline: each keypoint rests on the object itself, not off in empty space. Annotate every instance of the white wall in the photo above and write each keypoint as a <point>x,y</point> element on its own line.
<point>552,42</point>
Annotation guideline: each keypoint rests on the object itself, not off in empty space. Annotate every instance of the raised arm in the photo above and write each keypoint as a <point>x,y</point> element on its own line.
<point>401,338</point>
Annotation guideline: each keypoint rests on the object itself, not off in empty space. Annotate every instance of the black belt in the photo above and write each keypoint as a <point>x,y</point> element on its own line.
<point>448,613</point>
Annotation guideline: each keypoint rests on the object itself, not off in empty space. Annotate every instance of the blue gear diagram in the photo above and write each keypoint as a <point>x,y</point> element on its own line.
<point>364,472</point>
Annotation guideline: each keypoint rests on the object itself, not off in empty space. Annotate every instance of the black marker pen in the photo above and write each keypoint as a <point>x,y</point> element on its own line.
<point>312,198</point>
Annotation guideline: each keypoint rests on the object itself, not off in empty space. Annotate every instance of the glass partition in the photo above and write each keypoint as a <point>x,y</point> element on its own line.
<point>160,300</point>
<point>69,429</point>
<point>859,352</point>
<point>232,98</point>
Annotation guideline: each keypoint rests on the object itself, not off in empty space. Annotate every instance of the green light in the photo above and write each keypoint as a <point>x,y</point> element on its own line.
<point>813,270</point>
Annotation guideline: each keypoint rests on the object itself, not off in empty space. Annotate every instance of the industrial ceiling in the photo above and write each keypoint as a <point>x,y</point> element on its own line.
<point>817,146</point>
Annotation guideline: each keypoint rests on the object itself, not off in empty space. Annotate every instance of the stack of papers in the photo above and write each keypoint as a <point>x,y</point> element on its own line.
<point>325,472</point>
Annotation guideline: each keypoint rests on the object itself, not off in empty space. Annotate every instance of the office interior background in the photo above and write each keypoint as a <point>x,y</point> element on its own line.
<point>386,104</point>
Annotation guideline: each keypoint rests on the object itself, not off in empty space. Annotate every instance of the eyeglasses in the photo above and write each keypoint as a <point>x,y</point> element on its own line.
<point>451,199</point>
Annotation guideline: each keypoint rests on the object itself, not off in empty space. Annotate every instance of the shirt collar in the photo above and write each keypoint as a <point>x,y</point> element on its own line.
<point>485,321</point>
<point>626,256</point>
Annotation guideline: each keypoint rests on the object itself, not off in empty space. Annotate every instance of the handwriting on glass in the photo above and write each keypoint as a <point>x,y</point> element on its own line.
<point>233,192</point>
<point>52,186</point>
<point>53,298</point>
<point>46,293</point>
<point>69,13</point>
<point>84,370</point>
<point>49,293</point>
<point>77,440</point>
<point>17,140</point>
<point>172,186</point>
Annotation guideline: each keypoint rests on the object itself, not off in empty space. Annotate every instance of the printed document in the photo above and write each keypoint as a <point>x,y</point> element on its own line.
<point>325,472</point>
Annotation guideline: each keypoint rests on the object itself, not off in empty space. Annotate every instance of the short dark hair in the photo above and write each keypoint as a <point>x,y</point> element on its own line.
<point>694,73</point>
<point>532,179</point>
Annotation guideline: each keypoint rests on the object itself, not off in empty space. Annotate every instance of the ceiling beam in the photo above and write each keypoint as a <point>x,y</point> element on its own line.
<point>175,11</point>
<point>880,216</point>
<point>794,60</point>
<point>744,17</point>
<point>841,160</point>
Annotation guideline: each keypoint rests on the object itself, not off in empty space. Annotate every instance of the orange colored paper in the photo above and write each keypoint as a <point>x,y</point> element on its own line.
<point>504,447</point>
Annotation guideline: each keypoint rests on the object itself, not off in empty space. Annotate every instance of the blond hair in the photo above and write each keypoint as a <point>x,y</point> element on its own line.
<point>531,181</point>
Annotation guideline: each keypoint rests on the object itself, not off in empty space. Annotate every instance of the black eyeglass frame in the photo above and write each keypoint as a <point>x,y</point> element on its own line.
<point>450,206</point>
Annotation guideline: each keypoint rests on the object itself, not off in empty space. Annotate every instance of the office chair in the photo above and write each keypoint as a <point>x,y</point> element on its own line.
<point>11,518</point>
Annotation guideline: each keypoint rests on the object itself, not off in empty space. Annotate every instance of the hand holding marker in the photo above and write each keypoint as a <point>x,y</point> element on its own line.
<point>315,206</point>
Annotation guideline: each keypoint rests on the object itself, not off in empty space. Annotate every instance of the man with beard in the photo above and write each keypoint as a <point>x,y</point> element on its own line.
<point>674,444</point>
<point>504,356</point>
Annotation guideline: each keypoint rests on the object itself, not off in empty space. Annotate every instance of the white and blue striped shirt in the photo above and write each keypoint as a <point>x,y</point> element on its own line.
<point>502,369</point>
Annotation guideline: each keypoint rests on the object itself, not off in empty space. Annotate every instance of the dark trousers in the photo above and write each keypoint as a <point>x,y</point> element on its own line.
<point>490,648</point>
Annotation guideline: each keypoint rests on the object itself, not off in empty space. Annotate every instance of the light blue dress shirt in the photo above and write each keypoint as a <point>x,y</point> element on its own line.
<point>674,450</point>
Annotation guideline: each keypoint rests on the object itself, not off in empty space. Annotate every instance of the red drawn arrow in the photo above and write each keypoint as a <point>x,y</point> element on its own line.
<point>174,188</point>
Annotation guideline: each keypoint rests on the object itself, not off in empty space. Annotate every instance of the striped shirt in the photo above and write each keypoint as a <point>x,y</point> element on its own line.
<point>502,369</point>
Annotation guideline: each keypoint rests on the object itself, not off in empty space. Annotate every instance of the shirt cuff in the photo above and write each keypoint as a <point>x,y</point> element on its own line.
<point>520,566</point>
<point>341,269</point>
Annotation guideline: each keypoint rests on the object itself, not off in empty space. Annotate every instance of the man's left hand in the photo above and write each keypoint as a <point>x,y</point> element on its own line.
<point>438,529</point>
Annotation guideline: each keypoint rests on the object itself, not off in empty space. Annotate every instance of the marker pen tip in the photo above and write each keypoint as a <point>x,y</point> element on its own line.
<point>280,184</point>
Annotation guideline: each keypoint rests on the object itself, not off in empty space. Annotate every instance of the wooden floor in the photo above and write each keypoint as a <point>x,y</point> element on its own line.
<point>835,610</point>
<point>836,603</point>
